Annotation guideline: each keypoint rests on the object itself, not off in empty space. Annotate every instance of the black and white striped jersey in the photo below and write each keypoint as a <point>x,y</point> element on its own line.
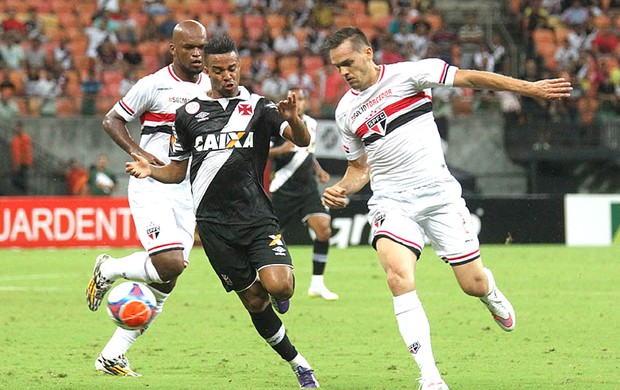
<point>294,172</point>
<point>228,140</point>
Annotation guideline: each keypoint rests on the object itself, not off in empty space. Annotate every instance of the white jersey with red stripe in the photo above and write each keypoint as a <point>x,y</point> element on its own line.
<point>154,99</point>
<point>392,120</point>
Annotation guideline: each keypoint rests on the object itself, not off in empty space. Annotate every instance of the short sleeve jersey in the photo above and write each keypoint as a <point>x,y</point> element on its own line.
<point>393,122</point>
<point>154,99</point>
<point>294,172</point>
<point>228,141</point>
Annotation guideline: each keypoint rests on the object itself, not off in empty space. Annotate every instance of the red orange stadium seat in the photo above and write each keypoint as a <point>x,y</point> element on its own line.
<point>275,21</point>
<point>234,20</point>
<point>343,20</point>
<point>199,7</point>
<point>220,7</point>
<point>18,78</point>
<point>236,33</point>
<point>62,6</point>
<point>313,63</point>
<point>434,20</point>
<point>288,65</point>
<point>356,7</point>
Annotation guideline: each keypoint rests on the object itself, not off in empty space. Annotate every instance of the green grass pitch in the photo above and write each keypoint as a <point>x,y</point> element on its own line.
<point>566,299</point>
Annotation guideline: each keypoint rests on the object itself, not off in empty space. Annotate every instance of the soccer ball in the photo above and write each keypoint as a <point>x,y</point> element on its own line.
<point>131,305</point>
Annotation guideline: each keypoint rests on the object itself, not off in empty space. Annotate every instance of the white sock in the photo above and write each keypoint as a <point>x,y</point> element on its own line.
<point>317,281</point>
<point>137,266</point>
<point>416,332</point>
<point>122,339</point>
<point>299,361</point>
<point>490,280</point>
<point>120,342</point>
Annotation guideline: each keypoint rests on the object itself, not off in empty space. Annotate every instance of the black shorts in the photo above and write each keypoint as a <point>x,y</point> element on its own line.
<point>237,253</point>
<point>290,209</point>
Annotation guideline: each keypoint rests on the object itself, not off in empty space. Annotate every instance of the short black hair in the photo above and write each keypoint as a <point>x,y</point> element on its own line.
<point>354,34</point>
<point>220,45</point>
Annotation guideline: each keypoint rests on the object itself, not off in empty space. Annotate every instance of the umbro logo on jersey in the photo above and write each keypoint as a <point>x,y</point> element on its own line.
<point>245,109</point>
<point>220,141</point>
<point>202,116</point>
<point>279,251</point>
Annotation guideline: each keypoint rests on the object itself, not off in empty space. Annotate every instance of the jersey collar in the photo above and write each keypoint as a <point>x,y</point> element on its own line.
<point>244,94</point>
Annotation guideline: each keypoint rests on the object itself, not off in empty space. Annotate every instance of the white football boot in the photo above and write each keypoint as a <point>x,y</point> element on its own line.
<point>499,306</point>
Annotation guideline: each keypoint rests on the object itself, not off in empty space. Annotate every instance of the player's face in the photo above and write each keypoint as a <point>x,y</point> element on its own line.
<point>224,72</point>
<point>356,66</point>
<point>188,55</point>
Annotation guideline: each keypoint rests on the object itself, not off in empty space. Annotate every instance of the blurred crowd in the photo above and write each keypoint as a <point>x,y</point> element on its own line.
<point>62,57</point>
<point>65,58</point>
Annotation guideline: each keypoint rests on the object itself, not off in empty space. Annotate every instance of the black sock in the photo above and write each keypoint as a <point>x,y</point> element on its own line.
<point>319,257</point>
<point>270,327</point>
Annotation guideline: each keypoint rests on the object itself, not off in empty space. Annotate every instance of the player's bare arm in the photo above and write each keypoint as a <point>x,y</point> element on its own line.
<point>543,89</point>
<point>170,173</point>
<point>296,132</point>
<point>116,127</point>
<point>355,178</point>
<point>321,173</point>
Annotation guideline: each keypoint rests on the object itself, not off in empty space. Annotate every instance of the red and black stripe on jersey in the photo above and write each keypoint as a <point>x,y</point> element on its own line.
<point>229,149</point>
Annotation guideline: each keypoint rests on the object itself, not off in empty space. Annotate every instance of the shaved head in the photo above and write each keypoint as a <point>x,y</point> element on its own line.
<point>189,38</point>
<point>188,28</point>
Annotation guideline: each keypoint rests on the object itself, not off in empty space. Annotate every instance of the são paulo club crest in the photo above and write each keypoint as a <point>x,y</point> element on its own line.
<point>377,123</point>
<point>153,231</point>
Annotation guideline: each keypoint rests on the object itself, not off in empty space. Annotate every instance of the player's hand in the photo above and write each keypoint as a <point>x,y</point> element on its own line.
<point>334,197</point>
<point>553,88</point>
<point>288,108</point>
<point>139,168</point>
<point>151,159</point>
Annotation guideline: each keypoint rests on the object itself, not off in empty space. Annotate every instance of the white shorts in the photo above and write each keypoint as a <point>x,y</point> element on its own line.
<point>435,211</point>
<point>163,222</point>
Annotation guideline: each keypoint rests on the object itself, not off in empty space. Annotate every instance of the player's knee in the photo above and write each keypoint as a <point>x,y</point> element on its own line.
<point>256,304</point>
<point>476,286</point>
<point>282,291</point>
<point>399,283</point>
<point>169,267</point>
<point>324,234</point>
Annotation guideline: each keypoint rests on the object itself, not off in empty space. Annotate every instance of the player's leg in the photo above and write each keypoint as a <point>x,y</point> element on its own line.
<point>279,282</point>
<point>228,253</point>
<point>321,226</point>
<point>112,359</point>
<point>399,242</point>
<point>454,239</point>
<point>165,229</point>
<point>477,281</point>
<point>399,263</point>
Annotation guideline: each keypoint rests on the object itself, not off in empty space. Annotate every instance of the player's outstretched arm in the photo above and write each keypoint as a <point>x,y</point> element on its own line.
<point>355,178</point>
<point>171,173</point>
<point>296,132</point>
<point>543,89</point>
<point>116,127</point>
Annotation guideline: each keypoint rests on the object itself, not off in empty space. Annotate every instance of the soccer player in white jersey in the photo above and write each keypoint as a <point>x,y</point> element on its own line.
<point>162,213</point>
<point>390,139</point>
